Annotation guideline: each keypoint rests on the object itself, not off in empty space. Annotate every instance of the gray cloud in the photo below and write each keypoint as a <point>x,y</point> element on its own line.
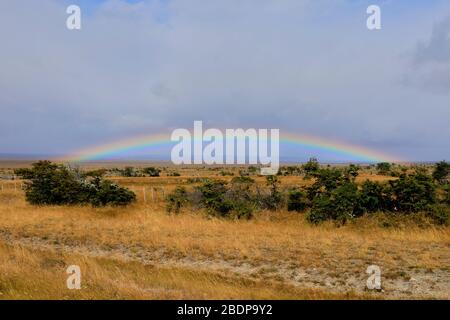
<point>430,68</point>
<point>153,66</point>
<point>437,49</point>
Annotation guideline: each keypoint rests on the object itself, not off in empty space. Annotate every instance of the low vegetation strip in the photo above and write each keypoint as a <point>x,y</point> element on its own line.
<point>334,193</point>
<point>39,273</point>
<point>244,228</point>
<point>400,285</point>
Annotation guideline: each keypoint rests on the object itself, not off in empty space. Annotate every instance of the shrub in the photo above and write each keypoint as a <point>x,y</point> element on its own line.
<point>96,173</point>
<point>441,171</point>
<point>335,196</point>
<point>104,192</point>
<point>129,172</point>
<point>290,170</point>
<point>213,197</point>
<point>326,180</point>
<point>340,204</point>
<point>273,200</point>
<point>24,173</point>
<point>242,197</point>
<point>196,180</point>
<point>320,211</point>
<point>242,210</point>
<point>330,178</point>
<point>252,169</point>
<point>151,171</point>
<point>383,168</point>
<point>243,179</point>
<point>440,213</point>
<point>447,194</point>
<point>176,200</point>
<point>372,197</point>
<point>296,200</point>
<point>345,201</point>
<point>412,193</point>
<point>311,167</point>
<point>52,184</point>
<point>219,199</point>
<point>395,173</point>
<point>352,171</point>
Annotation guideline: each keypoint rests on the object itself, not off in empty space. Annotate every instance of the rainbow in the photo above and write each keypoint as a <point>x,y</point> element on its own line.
<point>339,147</point>
<point>136,143</point>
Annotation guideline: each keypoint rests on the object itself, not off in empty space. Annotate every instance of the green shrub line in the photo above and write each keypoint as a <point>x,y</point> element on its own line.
<point>334,195</point>
<point>52,184</point>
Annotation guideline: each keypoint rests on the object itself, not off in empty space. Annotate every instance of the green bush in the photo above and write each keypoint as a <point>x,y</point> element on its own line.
<point>104,192</point>
<point>96,173</point>
<point>321,209</point>
<point>441,171</point>
<point>352,171</point>
<point>235,200</point>
<point>290,171</point>
<point>330,178</point>
<point>273,200</point>
<point>245,180</point>
<point>213,197</point>
<point>335,196</point>
<point>440,213</point>
<point>311,167</point>
<point>51,184</point>
<point>226,173</point>
<point>372,197</point>
<point>341,204</point>
<point>296,200</point>
<point>151,171</point>
<point>412,193</point>
<point>447,194</point>
<point>129,172</point>
<point>242,210</point>
<point>24,173</point>
<point>241,196</point>
<point>383,168</point>
<point>176,200</point>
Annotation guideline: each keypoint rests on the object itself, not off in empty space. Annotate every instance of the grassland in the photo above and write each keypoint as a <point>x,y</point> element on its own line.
<point>141,252</point>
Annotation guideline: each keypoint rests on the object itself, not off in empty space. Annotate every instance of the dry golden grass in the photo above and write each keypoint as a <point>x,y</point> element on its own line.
<point>283,234</point>
<point>26,274</point>
<point>197,257</point>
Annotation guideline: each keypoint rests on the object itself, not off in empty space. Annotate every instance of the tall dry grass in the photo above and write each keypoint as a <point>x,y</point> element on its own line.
<point>269,237</point>
<point>278,240</point>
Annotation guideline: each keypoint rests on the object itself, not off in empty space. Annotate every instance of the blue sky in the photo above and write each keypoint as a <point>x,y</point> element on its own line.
<point>306,66</point>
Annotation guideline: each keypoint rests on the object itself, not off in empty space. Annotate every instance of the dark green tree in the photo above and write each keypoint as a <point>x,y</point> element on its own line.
<point>176,200</point>
<point>311,167</point>
<point>151,171</point>
<point>213,197</point>
<point>297,200</point>
<point>372,197</point>
<point>441,171</point>
<point>412,192</point>
<point>274,199</point>
<point>52,184</point>
<point>383,168</point>
<point>104,192</point>
<point>340,204</point>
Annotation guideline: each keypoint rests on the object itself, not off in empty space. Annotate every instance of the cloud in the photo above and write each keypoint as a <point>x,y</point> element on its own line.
<point>149,66</point>
<point>437,49</point>
<point>430,68</point>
